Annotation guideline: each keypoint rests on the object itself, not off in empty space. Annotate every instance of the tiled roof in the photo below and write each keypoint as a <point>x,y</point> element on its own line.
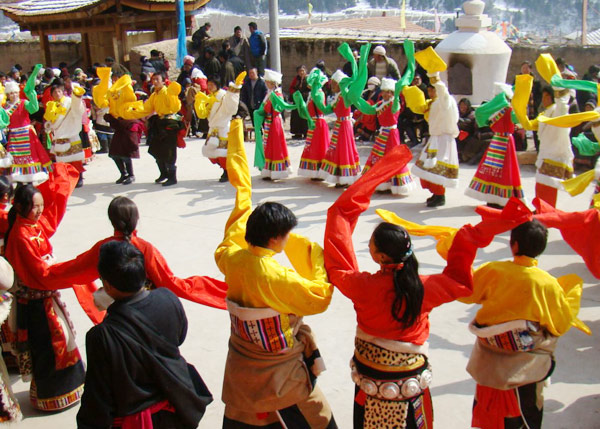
<point>378,23</point>
<point>593,38</point>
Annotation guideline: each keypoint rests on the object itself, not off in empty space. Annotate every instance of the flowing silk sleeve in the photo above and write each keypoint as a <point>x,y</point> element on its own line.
<point>303,110</point>
<point>318,97</point>
<point>342,216</point>
<point>259,150</point>
<point>56,192</point>
<point>31,104</point>
<point>4,118</point>
<point>520,101</point>
<point>100,91</point>
<point>239,177</point>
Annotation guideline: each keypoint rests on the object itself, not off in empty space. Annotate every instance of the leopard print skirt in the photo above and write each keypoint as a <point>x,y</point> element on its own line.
<point>382,364</point>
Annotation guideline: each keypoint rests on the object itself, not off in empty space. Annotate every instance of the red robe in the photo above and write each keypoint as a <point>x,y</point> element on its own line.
<point>199,289</point>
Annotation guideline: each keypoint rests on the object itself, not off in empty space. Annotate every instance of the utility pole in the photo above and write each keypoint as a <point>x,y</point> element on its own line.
<point>274,35</point>
<point>584,23</point>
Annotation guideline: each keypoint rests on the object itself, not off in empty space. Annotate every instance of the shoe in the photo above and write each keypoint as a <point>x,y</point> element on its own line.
<point>437,201</point>
<point>163,176</point>
<point>224,178</point>
<point>172,178</point>
<point>80,181</point>
<point>121,179</point>
<point>495,206</point>
<point>430,198</point>
<point>129,180</point>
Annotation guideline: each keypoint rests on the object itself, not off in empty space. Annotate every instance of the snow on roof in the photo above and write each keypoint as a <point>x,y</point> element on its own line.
<point>593,38</point>
<point>377,23</point>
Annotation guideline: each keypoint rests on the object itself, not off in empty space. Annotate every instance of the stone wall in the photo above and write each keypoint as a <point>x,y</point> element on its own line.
<point>29,53</point>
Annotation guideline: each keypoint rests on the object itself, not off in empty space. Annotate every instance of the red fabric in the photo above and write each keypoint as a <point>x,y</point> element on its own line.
<point>46,96</point>
<point>143,419</point>
<point>275,145</point>
<point>180,138</point>
<point>462,135</point>
<point>434,188</point>
<point>221,162</point>
<point>84,294</point>
<point>342,150</point>
<point>546,193</point>
<point>318,141</point>
<point>200,289</point>
<point>580,230</point>
<point>63,358</point>
<point>78,166</point>
<point>3,220</point>
<point>492,406</point>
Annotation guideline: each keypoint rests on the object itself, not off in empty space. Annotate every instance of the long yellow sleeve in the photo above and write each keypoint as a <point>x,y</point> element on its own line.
<point>163,102</point>
<point>203,104</point>
<point>100,91</point>
<point>520,101</point>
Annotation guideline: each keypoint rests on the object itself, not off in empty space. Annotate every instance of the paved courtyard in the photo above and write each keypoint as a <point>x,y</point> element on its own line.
<point>185,222</point>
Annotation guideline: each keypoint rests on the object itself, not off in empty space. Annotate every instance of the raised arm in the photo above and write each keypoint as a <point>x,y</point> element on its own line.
<point>56,192</point>
<point>318,97</point>
<point>279,103</point>
<point>239,176</point>
<point>31,104</point>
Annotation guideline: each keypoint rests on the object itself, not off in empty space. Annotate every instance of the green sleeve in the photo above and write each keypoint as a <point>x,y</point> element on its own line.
<point>585,146</point>
<point>279,105</point>
<point>4,118</point>
<point>408,76</point>
<point>365,107</point>
<point>513,117</point>
<point>353,87</point>
<point>483,112</point>
<point>579,85</point>
<point>318,97</point>
<point>31,104</point>
<point>259,150</point>
<point>303,110</point>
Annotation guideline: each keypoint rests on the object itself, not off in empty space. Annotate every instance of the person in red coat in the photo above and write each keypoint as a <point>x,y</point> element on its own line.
<point>124,215</point>
<point>390,366</point>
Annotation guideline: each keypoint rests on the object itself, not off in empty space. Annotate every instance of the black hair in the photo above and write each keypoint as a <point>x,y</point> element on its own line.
<point>117,74</point>
<point>209,50</point>
<point>154,53</point>
<point>121,264</point>
<point>2,74</point>
<point>236,28</point>
<point>467,102</point>
<point>207,24</point>
<point>223,54</point>
<point>18,66</point>
<point>394,241</point>
<point>531,237</point>
<point>123,215</point>
<point>300,67</point>
<point>526,62</point>
<point>548,90</point>
<point>253,25</point>
<point>62,65</point>
<point>269,220</point>
<point>22,205</point>
<point>56,83</point>
<point>6,187</point>
<point>214,79</point>
<point>48,73</point>
<point>161,74</point>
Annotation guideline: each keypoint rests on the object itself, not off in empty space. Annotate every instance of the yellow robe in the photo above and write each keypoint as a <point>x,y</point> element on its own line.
<point>255,279</point>
<point>163,102</point>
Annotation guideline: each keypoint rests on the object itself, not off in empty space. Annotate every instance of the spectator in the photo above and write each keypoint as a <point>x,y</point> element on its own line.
<point>347,69</point>
<point>240,46</point>
<point>327,87</point>
<point>14,75</point>
<point>467,143</point>
<point>116,67</point>
<point>227,69</point>
<point>583,96</point>
<point>212,66</point>
<point>146,65</point>
<point>365,125</point>
<point>258,48</point>
<point>200,37</point>
<point>157,62</point>
<point>535,99</point>
<point>299,126</point>
<point>382,66</point>
<point>254,91</point>
<point>409,122</point>
<point>186,72</point>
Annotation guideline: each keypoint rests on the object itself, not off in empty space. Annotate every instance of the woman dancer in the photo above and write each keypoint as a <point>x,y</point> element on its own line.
<point>30,162</point>
<point>317,139</point>
<point>390,366</point>
<point>497,178</point>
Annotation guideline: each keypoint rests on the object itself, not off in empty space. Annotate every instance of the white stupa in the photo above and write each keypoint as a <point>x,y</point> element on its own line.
<point>476,57</point>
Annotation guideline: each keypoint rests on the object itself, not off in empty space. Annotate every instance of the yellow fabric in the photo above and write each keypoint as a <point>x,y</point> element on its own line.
<point>203,104</point>
<point>122,99</point>
<point>522,92</point>
<point>2,95</point>
<point>519,290</point>
<point>415,101</point>
<point>54,110</point>
<point>254,278</point>
<point>577,185</point>
<point>239,80</point>
<point>100,91</point>
<point>430,60</point>
<point>546,67</point>
<point>444,235</point>
<point>570,121</point>
<point>78,91</point>
<point>164,102</point>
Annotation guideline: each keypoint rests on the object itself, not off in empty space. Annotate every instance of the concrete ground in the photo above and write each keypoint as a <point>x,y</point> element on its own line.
<point>186,223</point>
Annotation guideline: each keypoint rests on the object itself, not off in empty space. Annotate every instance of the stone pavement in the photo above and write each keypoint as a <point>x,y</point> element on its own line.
<point>185,222</point>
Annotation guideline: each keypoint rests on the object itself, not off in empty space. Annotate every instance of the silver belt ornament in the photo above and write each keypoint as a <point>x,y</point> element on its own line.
<point>398,390</point>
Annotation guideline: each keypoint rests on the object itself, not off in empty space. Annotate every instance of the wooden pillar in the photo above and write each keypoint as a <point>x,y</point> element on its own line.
<point>85,49</point>
<point>160,30</point>
<point>117,43</point>
<point>45,47</point>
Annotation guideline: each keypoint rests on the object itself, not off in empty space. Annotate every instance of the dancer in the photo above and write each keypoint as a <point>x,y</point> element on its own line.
<point>270,373</point>
<point>164,127</point>
<point>46,348</point>
<point>63,121</point>
<point>388,110</point>
<point>136,375</point>
<point>555,158</point>
<point>218,108</point>
<point>273,158</point>
<point>497,178</point>
<point>127,132</point>
<point>390,365</point>
<point>123,215</point>
<point>317,139</point>
<point>577,185</point>
<point>437,166</point>
<point>30,162</point>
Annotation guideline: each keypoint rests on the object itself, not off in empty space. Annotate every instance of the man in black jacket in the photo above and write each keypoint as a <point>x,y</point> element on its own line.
<point>254,91</point>
<point>135,371</point>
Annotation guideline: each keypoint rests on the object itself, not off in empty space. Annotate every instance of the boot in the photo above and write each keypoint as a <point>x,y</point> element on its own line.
<point>129,168</point>
<point>80,181</point>
<point>172,176</point>
<point>164,175</point>
<point>129,180</point>
<point>224,178</point>
<point>437,201</point>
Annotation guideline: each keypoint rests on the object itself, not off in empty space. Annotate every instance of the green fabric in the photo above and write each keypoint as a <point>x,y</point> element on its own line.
<point>279,105</point>
<point>316,78</point>
<point>485,111</point>
<point>408,76</point>
<point>352,87</point>
<point>585,146</point>
<point>303,110</point>
<point>514,118</point>
<point>259,150</point>
<point>31,104</point>
<point>318,97</point>
<point>365,107</point>
<point>579,85</point>
<point>4,118</point>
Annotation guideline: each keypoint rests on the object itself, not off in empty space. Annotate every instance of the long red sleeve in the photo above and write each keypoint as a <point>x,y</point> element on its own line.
<point>56,192</point>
